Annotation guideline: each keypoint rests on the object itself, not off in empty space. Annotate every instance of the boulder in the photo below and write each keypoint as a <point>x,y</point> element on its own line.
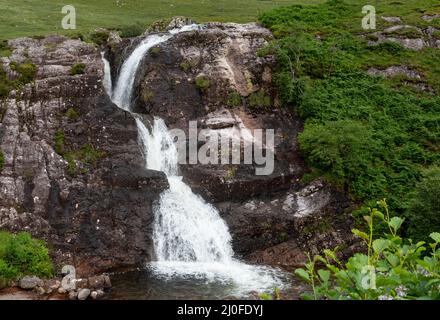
<point>83,294</point>
<point>30,282</point>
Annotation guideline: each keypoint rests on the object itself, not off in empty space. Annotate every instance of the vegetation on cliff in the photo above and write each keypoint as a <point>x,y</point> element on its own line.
<point>21,254</point>
<point>393,268</point>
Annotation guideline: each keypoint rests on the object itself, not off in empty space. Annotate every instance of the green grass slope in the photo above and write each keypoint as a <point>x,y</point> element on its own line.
<point>29,18</point>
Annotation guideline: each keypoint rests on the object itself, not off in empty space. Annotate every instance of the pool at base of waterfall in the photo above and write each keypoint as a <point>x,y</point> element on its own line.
<point>151,284</point>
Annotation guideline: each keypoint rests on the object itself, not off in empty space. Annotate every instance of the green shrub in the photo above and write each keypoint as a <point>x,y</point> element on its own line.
<point>59,142</point>
<point>391,47</point>
<point>88,154</point>
<point>203,83</point>
<point>259,99</point>
<point>343,148</point>
<point>423,213</point>
<point>5,50</point>
<point>131,31</point>
<point>20,255</point>
<point>99,36</point>
<point>185,65</point>
<point>5,84</point>
<point>2,160</point>
<point>4,89</point>
<point>147,95</point>
<point>71,163</point>
<point>234,99</point>
<point>27,72</point>
<point>188,64</point>
<point>394,268</point>
<point>77,68</point>
<point>72,114</point>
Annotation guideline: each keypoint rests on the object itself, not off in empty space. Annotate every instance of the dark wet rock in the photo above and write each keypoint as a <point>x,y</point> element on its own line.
<point>97,217</point>
<point>312,217</point>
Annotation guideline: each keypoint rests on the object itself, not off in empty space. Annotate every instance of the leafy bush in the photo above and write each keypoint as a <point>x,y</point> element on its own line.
<point>99,36</point>
<point>72,114</point>
<point>203,83</point>
<point>87,154</point>
<point>259,99</point>
<point>321,77</point>
<point>77,68</point>
<point>5,50</point>
<point>234,99</point>
<point>393,267</point>
<point>391,47</point>
<point>423,212</point>
<point>185,65</point>
<point>20,255</point>
<point>343,148</point>
<point>59,142</point>
<point>5,84</point>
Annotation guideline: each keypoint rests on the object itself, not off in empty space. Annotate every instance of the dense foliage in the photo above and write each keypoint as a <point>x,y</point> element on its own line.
<point>394,268</point>
<point>372,135</point>
<point>77,68</point>
<point>424,205</point>
<point>20,255</point>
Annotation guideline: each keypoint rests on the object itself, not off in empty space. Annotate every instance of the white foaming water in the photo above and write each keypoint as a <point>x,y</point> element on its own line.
<point>107,75</point>
<point>190,238</point>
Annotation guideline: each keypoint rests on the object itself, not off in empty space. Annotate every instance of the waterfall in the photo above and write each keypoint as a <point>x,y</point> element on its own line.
<point>107,75</point>
<point>190,238</point>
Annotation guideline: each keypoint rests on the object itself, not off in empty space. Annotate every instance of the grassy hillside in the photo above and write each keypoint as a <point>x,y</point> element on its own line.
<point>375,136</point>
<point>29,17</point>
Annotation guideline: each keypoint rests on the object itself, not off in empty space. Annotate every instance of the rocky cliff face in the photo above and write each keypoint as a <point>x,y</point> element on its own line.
<point>74,173</point>
<point>215,77</point>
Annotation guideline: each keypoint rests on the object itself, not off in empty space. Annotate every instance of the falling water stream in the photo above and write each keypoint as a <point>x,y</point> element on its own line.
<point>192,243</point>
